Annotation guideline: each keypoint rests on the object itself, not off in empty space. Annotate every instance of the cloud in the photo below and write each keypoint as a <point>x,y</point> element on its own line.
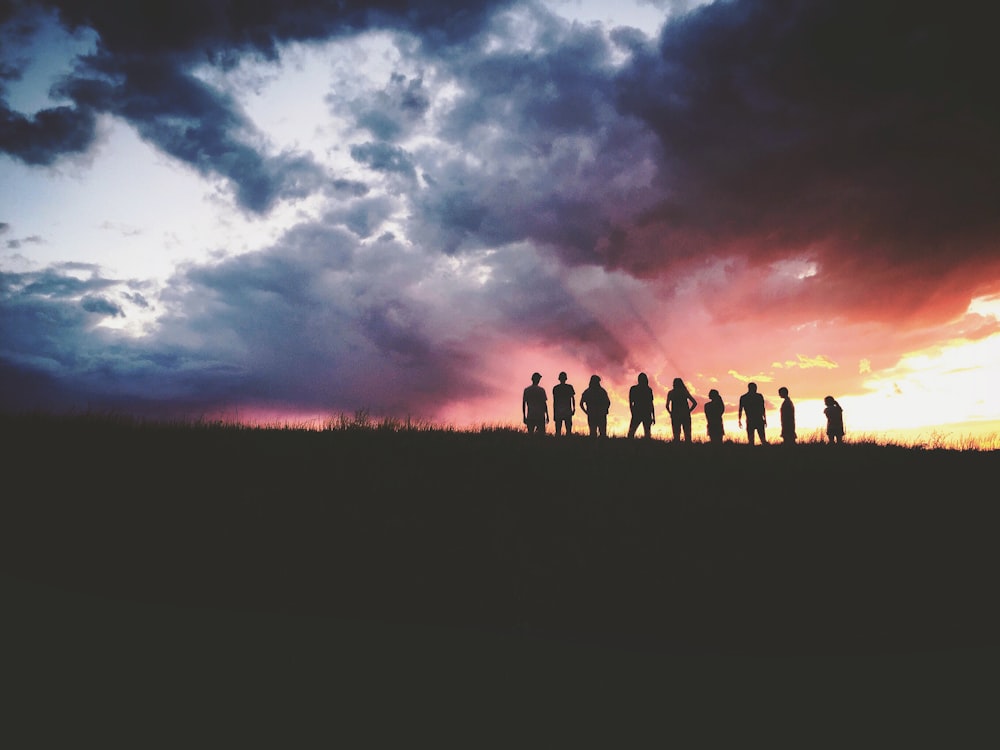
<point>756,181</point>
<point>854,134</point>
<point>383,157</point>
<point>394,112</point>
<point>142,72</point>
<point>808,363</point>
<point>48,135</point>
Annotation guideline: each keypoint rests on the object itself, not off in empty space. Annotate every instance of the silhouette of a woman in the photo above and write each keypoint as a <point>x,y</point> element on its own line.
<point>714,409</point>
<point>596,404</point>
<point>834,420</point>
<point>680,404</point>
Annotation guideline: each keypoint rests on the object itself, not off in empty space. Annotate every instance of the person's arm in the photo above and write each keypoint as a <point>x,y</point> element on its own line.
<point>669,410</point>
<point>739,414</point>
<point>524,407</point>
<point>572,404</point>
<point>694,404</point>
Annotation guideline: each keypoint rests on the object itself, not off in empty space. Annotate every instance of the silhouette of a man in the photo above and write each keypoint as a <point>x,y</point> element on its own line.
<point>535,406</point>
<point>596,404</point>
<point>680,404</point>
<point>752,405</point>
<point>788,436</point>
<point>563,405</point>
<point>640,401</point>
<point>714,409</point>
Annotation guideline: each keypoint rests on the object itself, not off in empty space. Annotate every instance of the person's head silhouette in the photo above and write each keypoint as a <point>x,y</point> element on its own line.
<point>535,378</point>
<point>678,383</point>
<point>752,387</point>
<point>783,392</point>
<point>595,380</point>
<point>643,380</point>
<point>714,395</point>
<point>562,377</point>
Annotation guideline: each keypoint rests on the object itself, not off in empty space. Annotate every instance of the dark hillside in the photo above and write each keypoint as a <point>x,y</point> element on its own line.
<point>816,549</point>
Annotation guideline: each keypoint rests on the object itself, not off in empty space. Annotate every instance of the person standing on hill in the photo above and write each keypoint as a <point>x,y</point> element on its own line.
<point>834,420</point>
<point>714,409</point>
<point>640,401</point>
<point>788,436</point>
<point>680,404</point>
<point>596,404</point>
<point>563,405</point>
<point>752,404</point>
<point>535,406</point>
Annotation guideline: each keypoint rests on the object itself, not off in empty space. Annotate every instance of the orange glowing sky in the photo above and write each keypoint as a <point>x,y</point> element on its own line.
<point>295,211</point>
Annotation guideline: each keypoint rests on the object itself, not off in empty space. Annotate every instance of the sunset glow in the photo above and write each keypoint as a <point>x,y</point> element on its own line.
<point>290,213</point>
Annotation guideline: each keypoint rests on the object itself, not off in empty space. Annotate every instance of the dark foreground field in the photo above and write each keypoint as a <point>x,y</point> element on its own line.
<point>373,574</point>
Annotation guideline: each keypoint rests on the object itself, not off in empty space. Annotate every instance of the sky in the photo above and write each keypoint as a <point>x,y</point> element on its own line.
<point>294,209</point>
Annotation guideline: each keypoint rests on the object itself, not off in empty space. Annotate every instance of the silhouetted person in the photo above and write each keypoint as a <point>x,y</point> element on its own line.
<point>752,404</point>
<point>595,404</point>
<point>535,405</point>
<point>834,420</point>
<point>640,401</point>
<point>787,417</point>
<point>563,405</point>
<point>680,404</point>
<point>714,409</point>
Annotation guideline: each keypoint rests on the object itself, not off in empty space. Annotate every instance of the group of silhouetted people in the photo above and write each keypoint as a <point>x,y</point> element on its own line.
<point>596,404</point>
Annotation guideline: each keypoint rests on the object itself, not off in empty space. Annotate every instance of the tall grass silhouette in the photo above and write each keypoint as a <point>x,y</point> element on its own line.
<point>866,545</point>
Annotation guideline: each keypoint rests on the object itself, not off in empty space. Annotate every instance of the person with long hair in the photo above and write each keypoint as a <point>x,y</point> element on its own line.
<point>714,408</point>
<point>680,404</point>
<point>834,420</point>
<point>596,404</point>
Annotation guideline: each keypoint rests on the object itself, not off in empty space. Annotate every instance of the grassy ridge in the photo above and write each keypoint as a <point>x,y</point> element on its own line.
<point>816,549</point>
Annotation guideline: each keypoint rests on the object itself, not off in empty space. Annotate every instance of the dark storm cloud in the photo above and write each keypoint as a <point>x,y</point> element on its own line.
<point>392,112</point>
<point>141,72</point>
<point>47,135</point>
<point>194,123</point>
<point>861,136</point>
<point>868,129</point>
<point>100,305</point>
<point>383,157</point>
<point>554,162</point>
<point>319,321</point>
<point>364,217</point>
<point>52,356</point>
